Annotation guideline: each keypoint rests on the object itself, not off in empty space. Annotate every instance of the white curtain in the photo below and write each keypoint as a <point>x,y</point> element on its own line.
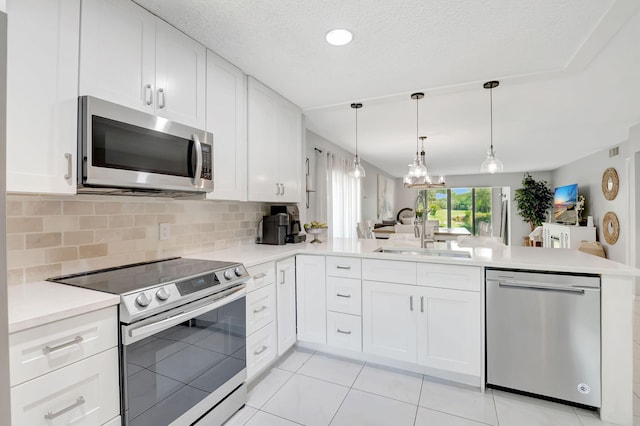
<point>338,196</point>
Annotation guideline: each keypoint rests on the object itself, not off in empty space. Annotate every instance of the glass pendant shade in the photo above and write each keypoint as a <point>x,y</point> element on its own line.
<point>357,171</point>
<point>491,164</point>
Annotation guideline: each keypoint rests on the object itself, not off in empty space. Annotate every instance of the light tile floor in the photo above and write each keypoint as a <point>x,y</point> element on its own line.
<point>311,388</point>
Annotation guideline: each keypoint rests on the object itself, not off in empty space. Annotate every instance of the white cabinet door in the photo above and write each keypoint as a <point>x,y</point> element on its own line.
<point>227,121</point>
<point>118,53</point>
<point>286,295</point>
<point>275,146</point>
<point>389,320</point>
<point>311,299</point>
<point>180,77</point>
<point>42,95</point>
<point>449,330</point>
<point>262,142</point>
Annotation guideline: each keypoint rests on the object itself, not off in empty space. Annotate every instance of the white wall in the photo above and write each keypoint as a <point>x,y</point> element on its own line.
<point>587,173</point>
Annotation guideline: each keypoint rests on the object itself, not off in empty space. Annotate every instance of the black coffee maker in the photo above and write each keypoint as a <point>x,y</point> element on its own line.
<point>274,229</point>
<point>293,231</point>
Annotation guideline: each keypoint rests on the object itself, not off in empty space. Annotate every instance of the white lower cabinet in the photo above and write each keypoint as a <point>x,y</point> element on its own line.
<point>310,297</point>
<point>83,393</point>
<point>262,348</point>
<point>116,421</point>
<point>286,295</point>
<point>261,308</point>
<point>344,331</point>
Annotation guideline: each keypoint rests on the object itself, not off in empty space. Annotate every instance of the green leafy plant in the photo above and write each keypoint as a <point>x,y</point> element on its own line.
<point>533,200</point>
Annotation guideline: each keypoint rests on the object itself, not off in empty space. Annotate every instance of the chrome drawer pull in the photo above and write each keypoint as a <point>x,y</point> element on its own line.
<point>148,94</point>
<point>343,267</point>
<point>343,332</point>
<point>259,351</point>
<point>348,296</point>
<point>48,349</point>
<point>51,415</point>
<point>260,309</point>
<point>69,173</point>
<point>421,303</point>
<point>411,303</point>
<point>260,275</point>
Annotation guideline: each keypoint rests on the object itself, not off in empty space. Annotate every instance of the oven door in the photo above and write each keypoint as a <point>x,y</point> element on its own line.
<point>122,147</point>
<point>178,365</point>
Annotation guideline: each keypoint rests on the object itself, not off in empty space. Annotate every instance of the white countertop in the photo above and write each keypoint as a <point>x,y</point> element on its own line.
<point>41,302</point>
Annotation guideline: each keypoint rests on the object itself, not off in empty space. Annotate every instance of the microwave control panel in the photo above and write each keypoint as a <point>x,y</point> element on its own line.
<point>206,162</point>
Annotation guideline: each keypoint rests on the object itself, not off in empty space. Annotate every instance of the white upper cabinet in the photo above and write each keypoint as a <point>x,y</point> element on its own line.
<point>42,95</point>
<point>227,121</point>
<point>130,57</point>
<point>275,146</point>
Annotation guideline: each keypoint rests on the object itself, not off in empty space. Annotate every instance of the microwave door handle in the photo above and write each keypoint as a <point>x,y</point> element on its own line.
<point>198,171</point>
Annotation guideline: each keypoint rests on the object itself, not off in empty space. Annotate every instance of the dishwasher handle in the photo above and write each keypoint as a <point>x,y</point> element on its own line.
<point>536,286</point>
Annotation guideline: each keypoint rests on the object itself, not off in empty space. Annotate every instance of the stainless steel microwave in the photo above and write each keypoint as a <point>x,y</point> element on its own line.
<point>125,151</point>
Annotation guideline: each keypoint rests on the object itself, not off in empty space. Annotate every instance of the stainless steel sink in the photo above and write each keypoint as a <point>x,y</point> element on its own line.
<point>424,252</point>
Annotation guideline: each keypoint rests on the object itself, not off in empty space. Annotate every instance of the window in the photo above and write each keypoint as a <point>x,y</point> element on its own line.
<point>468,208</point>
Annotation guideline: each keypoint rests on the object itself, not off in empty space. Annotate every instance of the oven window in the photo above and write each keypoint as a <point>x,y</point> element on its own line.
<point>117,145</point>
<point>170,372</point>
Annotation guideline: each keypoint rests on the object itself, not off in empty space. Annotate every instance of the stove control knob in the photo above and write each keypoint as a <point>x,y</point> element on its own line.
<point>143,300</point>
<point>239,271</point>
<point>228,274</point>
<point>162,294</point>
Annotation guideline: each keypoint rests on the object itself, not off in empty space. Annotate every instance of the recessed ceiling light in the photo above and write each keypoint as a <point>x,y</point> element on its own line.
<point>339,37</point>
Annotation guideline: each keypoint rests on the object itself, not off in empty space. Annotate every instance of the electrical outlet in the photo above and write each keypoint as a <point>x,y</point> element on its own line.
<point>164,232</point>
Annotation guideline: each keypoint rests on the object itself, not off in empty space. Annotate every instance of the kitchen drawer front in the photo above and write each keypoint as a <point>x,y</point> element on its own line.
<point>450,276</point>
<point>344,295</point>
<point>262,348</point>
<point>389,271</point>
<point>261,275</point>
<point>261,308</point>
<point>344,331</point>
<point>83,393</point>
<point>39,350</point>
<point>347,267</point>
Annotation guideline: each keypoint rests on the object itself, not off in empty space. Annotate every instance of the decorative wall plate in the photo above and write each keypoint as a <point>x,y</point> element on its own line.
<point>610,183</point>
<point>610,227</point>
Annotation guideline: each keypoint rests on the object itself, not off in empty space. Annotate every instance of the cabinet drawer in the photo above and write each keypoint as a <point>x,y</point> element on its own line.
<point>39,350</point>
<point>390,271</point>
<point>84,393</point>
<point>344,295</point>
<point>261,308</point>
<point>449,276</point>
<point>347,267</point>
<point>344,331</point>
<point>262,348</point>
<point>261,275</point>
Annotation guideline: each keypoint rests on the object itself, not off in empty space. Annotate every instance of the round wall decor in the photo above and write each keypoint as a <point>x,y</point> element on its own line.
<point>610,183</point>
<point>610,227</point>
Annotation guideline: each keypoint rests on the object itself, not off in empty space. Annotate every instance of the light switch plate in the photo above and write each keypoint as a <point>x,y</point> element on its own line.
<point>164,232</point>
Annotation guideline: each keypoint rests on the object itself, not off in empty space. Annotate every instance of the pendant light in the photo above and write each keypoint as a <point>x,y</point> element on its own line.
<point>418,174</point>
<point>491,164</point>
<point>357,171</point>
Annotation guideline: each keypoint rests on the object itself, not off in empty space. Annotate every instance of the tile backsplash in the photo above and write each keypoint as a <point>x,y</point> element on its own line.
<point>49,236</point>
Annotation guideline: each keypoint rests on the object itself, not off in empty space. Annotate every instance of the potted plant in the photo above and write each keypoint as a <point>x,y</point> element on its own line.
<point>533,200</point>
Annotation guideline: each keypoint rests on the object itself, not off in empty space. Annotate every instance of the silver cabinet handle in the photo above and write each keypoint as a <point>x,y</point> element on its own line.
<point>51,415</point>
<point>148,94</point>
<point>259,351</point>
<point>343,267</point>
<point>421,303</point>
<point>198,171</point>
<point>48,349</point>
<point>69,173</point>
<point>411,303</point>
<point>260,275</point>
<point>282,188</point>
<point>540,287</point>
<point>343,332</point>
<point>348,296</point>
<point>260,309</point>
<point>282,277</point>
<point>161,103</point>
<point>277,188</point>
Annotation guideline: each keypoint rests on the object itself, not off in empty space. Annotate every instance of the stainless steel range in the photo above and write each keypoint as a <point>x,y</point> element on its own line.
<point>182,338</point>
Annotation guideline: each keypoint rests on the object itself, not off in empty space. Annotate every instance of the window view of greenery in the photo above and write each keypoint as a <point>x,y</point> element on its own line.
<point>460,208</point>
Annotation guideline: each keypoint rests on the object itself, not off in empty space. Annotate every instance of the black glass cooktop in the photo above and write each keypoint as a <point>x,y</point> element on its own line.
<point>128,278</point>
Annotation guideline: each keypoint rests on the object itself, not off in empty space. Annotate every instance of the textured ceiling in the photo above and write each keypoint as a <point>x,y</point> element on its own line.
<point>568,72</point>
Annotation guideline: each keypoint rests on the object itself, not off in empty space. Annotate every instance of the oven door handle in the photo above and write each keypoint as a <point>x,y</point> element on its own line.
<point>134,334</point>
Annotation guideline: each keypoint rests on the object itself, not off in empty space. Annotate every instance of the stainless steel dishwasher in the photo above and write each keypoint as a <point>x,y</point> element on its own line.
<point>543,334</point>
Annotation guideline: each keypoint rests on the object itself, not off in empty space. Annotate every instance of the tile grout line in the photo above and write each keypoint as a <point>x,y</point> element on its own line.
<point>347,394</point>
<point>415,418</point>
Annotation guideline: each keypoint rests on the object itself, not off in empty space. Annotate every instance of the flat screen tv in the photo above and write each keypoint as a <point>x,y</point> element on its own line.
<point>564,204</point>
